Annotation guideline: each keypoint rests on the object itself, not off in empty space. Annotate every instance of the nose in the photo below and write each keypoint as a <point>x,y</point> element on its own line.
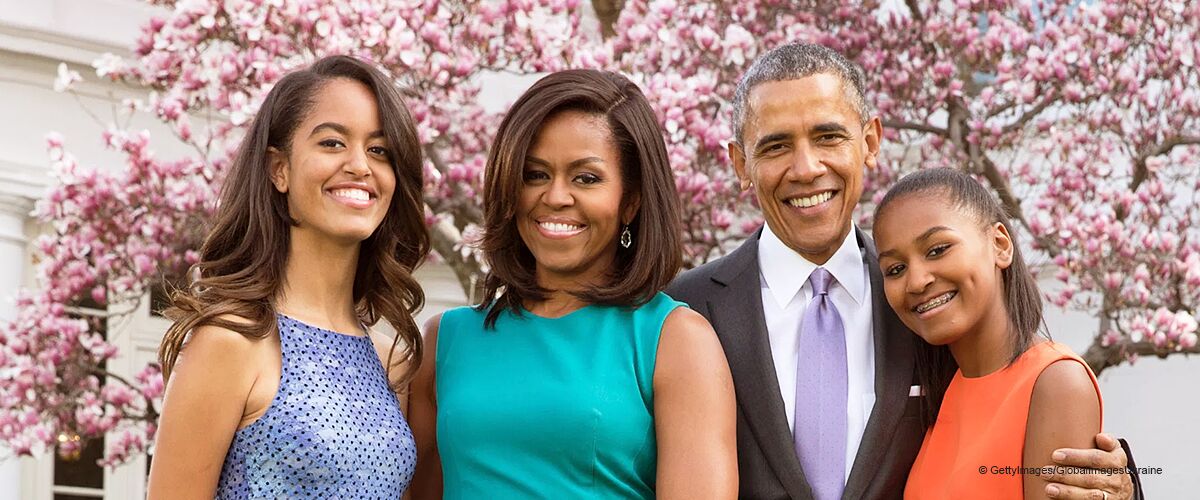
<point>558,193</point>
<point>806,164</point>
<point>918,279</point>
<point>357,164</point>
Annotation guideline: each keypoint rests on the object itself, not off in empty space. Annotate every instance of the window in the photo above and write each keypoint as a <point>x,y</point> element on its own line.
<point>77,476</point>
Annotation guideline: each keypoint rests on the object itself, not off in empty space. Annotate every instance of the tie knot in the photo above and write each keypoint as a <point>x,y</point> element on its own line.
<point>820,280</point>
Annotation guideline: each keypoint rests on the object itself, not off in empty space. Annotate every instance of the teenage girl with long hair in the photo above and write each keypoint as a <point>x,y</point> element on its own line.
<point>277,387</point>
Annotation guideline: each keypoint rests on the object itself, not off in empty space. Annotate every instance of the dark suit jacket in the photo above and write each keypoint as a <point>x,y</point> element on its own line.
<point>727,291</point>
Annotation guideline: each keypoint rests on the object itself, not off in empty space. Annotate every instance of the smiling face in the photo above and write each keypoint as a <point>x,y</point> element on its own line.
<point>942,270</point>
<point>570,209</point>
<point>803,149</point>
<point>336,173</point>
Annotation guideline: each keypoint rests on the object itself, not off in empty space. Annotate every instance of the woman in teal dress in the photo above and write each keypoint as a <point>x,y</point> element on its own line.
<point>576,377</point>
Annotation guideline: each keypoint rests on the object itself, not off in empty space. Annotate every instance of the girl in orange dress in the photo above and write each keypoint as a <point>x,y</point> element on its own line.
<point>954,274</point>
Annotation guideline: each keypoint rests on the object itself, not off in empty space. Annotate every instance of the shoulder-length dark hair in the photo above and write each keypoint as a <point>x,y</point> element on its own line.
<point>638,272</point>
<point>242,260</point>
<point>1022,299</point>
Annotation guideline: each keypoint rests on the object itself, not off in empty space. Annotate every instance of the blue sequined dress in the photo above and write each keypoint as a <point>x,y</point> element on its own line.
<point>334,429</point>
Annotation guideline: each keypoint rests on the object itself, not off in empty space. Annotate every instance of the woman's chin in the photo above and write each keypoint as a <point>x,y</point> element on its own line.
<point>936,337</point>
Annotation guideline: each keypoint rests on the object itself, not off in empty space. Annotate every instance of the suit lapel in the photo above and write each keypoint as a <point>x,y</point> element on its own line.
<point>893,374</point>
<point>737,315</point>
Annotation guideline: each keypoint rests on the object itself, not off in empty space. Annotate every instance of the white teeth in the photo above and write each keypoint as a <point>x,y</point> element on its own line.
<point>558,227</point>
<point>352,193</point>
<point>811,201</point>
<point>937,301</point>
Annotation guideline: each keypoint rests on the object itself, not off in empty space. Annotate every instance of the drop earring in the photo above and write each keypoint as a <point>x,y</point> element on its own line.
<point>626,237</point>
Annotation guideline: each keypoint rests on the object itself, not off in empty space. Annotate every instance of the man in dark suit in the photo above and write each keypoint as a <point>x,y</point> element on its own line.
<point>803,137</point>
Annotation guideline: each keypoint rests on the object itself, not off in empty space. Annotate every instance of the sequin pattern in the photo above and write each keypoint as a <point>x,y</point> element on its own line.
<point>333,430</point>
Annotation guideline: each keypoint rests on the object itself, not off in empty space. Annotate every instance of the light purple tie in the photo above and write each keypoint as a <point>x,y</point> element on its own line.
<point>820,435</point>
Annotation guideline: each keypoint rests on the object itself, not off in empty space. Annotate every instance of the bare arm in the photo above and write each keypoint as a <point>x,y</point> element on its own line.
<point>1064,412</point>
<point>206,400</point>
<point>422,417</point>
<point>694,413</point>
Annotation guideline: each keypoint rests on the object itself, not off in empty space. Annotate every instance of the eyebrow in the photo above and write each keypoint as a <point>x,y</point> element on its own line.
<point>341,129</point>
<point>924,236</point>
<point>574,164</point>
<point>769,138</point>
<point>829,127</point>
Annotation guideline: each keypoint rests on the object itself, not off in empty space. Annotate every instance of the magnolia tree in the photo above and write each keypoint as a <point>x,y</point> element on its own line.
<point>1084,119</point>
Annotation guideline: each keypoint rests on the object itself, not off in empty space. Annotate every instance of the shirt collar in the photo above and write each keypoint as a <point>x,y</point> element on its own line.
<point>846,266</point>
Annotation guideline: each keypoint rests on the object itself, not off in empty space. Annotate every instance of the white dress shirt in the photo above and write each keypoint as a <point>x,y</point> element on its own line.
<point>786,293</point>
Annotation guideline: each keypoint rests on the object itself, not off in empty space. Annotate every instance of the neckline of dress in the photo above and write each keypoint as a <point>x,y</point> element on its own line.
<point>527,313</point>
<point>326,330</point>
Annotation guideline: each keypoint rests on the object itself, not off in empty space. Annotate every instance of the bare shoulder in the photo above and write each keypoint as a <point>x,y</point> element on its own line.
<point>431,328</point>
<point>383,340</point>
<point>222,346</point>
<point>218,361</point>
<point>1064,411</point>
<point>683,319</point>
<point>688,344</point>
<point>1066,384</point>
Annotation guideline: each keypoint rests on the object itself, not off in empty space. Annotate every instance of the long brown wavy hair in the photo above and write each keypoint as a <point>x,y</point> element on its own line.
<point>242,260</point>
<point>656,255</point>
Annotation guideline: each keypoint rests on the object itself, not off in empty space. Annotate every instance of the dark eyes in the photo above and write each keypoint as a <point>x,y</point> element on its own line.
<point>534,175</point>
<point>823,139</point>
<point>584,178</point>
<point>933,253</point>
<point>772,149</point>
<point>379,151</point>
<point>938,250</point>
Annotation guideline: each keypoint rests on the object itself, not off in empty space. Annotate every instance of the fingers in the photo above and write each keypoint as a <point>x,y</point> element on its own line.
<point>1084,480</point>
<point>1058,491</point>
<point>1096,459</point>
<point>1107,442</point>
<point>1093,480</point>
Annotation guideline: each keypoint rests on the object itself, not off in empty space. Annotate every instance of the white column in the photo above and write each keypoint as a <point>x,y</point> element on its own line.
<point>14,210</point>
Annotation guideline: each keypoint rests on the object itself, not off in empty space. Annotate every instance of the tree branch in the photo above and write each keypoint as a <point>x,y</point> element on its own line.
<point>1141,172</point>
<point>919,127</point>
<point>608,11</point>
<point>915,8</point>
<point>1031,113</point>
<point>151,414</point>
<point>445,237</point>
<point>463,213</point>
<point>1100,357</point>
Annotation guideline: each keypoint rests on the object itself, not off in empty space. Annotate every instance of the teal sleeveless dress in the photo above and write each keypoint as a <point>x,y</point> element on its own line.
<point>549,407</point>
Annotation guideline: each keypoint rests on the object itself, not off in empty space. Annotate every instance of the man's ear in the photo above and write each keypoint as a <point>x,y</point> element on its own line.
<point>872,135</point>
<point>278,165</point>
<point>738,157</point>
<point>1003,244</point>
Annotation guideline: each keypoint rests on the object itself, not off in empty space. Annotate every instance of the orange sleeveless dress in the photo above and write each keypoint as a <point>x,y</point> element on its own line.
<point>980,430</point>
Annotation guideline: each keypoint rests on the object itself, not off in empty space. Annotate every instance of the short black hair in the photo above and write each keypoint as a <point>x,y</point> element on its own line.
<point>794,61</point>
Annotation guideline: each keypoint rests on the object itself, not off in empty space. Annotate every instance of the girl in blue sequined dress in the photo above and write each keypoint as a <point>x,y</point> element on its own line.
<point>276,386</point>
